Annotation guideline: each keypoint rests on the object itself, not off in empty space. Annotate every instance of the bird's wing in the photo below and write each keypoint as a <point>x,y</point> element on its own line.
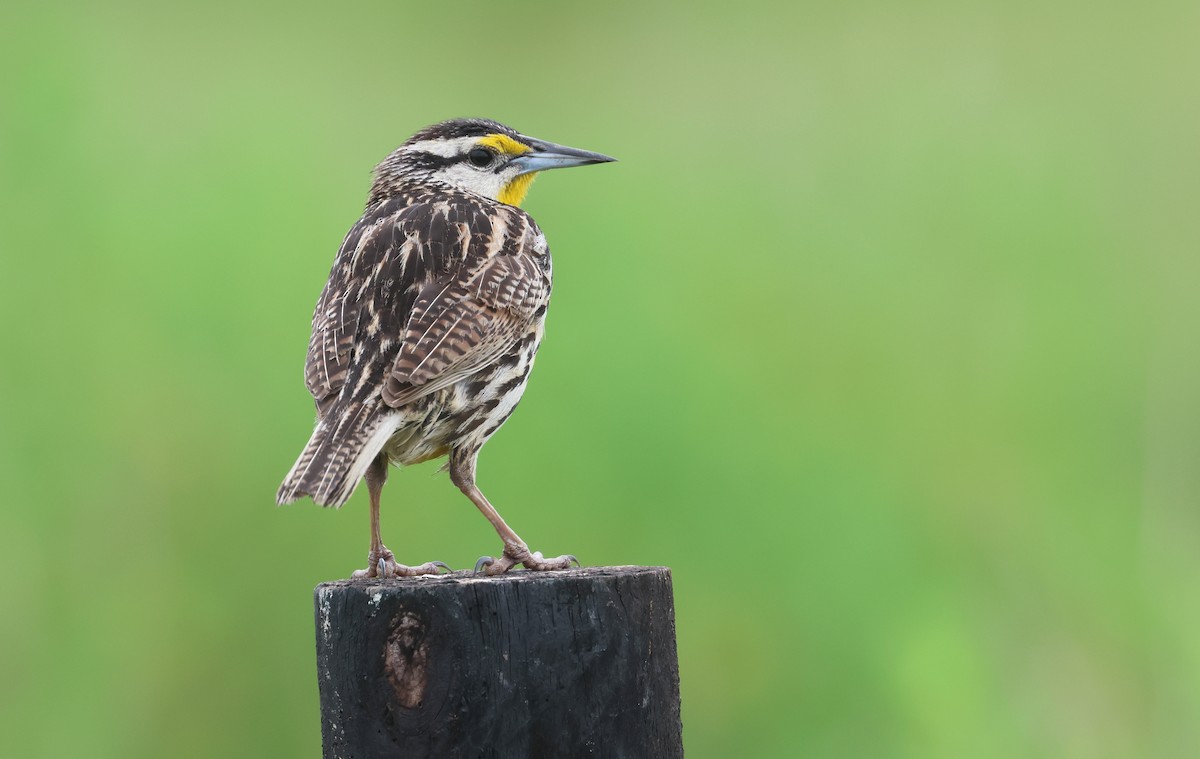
<point>423,293</point>
<point>466,321</point>
<point>378,269</point>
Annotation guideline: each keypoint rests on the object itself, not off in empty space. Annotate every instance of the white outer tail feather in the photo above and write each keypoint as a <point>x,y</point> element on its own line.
<point>334,488</point>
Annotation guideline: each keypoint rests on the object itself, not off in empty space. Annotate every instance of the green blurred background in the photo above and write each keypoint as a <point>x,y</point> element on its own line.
<point>882,335</point>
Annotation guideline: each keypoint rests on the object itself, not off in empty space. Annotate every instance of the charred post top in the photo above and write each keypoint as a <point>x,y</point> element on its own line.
<point>579,662</point>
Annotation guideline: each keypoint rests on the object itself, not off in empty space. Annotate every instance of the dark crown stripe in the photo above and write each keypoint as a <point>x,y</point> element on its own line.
<point>455,128</point>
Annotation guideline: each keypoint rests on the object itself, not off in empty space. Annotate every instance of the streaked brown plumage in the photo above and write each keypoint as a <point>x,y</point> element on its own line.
<point>425,334</point>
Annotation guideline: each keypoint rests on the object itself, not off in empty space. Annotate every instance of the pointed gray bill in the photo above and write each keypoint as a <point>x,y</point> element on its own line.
<point>547,155</point>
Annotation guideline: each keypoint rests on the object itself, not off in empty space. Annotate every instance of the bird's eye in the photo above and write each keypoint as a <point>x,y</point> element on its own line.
<point>480,156</point>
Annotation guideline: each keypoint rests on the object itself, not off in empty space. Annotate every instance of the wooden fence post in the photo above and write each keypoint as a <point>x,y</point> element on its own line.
<point>573,663</point>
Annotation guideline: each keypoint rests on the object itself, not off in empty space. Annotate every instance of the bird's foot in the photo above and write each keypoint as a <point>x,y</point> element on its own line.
<point>518,553</point>
<point>382,564</point>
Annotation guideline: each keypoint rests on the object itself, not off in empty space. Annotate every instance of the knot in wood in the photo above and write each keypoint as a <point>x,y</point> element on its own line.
<point>406,659</point>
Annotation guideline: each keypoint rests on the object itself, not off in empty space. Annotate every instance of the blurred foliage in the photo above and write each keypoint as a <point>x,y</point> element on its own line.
<point>882,335</point>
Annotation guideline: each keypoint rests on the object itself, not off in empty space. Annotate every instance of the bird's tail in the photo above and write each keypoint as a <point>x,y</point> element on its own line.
<point>337,455</point>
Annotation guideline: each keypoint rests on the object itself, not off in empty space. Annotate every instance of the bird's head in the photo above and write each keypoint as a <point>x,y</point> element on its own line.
<point>477,155</point>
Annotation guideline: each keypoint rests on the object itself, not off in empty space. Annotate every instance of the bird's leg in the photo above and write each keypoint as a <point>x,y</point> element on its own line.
<point>380,561</point>
<point>462,474</point>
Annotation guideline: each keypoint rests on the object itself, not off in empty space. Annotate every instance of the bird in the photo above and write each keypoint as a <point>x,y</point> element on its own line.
<point>424,336</point>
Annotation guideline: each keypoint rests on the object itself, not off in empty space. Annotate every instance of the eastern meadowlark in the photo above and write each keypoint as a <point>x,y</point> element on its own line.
<point>424,336</point>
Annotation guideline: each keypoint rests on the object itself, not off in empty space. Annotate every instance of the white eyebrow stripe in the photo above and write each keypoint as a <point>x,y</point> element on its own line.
<point>443,148</point>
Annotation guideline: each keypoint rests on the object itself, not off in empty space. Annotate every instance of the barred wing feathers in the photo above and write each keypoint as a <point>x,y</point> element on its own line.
<point>466,324</point>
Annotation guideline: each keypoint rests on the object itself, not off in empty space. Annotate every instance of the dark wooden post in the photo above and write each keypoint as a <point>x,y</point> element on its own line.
<point>529,664</point>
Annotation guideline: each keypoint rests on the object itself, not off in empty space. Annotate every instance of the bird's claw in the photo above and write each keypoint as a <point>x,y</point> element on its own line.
<point>521,555</point>
<point>490,566</point>
<point>384,566</point>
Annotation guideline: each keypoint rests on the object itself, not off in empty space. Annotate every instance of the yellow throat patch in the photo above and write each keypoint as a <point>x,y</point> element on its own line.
<point>515,191</point>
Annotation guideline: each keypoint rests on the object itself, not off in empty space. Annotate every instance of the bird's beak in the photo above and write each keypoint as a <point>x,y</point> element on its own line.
<point>546,155</point>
